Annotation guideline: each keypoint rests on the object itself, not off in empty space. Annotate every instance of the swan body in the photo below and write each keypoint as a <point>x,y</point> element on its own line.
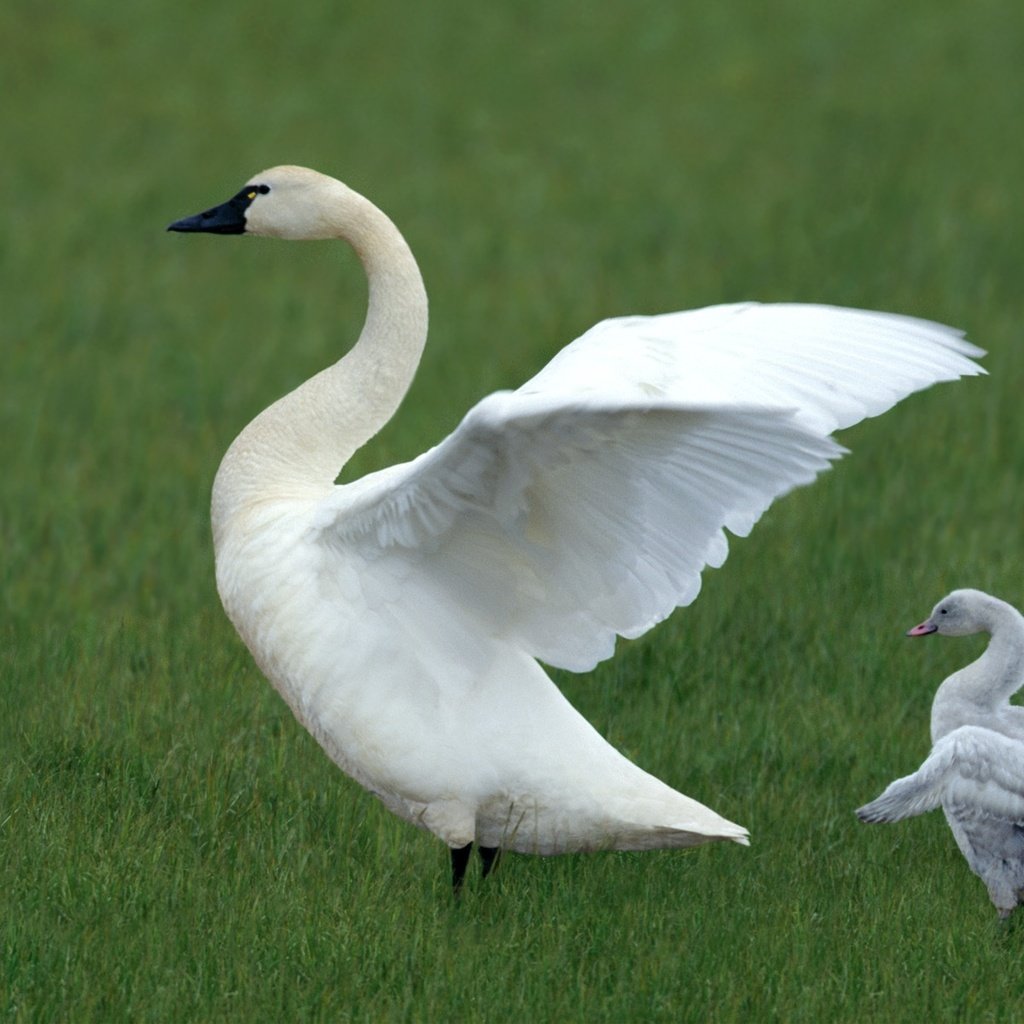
<point>403,616</point>
<point>975,770</point>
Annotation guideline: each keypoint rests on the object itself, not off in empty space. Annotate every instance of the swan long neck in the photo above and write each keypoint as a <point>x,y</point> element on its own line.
<point>297,446</point>
<point>988,683</point>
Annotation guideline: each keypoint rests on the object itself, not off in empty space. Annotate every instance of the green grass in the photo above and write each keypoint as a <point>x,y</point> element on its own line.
<point>173,846</point>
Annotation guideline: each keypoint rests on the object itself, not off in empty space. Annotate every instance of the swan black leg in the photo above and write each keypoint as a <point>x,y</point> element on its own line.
<point>460,858</point>
<point>490,856</point>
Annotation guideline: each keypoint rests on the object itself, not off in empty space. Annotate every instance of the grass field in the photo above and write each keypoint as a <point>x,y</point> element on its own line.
<point>174,847</point>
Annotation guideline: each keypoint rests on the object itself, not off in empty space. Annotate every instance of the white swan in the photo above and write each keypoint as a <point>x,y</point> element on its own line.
<point>401,616</point>
<point>975,771</point>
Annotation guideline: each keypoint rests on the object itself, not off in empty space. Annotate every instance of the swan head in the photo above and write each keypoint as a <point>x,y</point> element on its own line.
<point>282,202</point>
<point>960,613</point>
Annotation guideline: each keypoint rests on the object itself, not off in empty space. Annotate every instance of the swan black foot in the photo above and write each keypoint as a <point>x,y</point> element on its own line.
<point>460,858</point>
<point>489,856</point>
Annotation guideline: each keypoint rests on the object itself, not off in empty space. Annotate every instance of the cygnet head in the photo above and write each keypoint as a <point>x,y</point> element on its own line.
<point>283,202</point>
<point>960,613</point>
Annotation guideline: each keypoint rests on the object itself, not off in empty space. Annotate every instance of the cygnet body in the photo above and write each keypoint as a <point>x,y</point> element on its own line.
<point>975,770</point>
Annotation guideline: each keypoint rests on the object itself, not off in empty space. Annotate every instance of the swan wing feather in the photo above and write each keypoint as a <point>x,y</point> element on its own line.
<point>585,504</point>
<point>835,366</point>
<point>566,525</point>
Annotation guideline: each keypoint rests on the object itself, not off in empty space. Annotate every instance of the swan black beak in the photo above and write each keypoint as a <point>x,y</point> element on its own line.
<point>226,219</point>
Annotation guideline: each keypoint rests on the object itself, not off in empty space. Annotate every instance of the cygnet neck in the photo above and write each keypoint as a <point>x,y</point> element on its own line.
<point>986,684</point>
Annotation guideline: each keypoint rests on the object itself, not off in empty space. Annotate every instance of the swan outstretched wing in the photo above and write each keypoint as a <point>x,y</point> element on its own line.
<point>971,768</point>
<point>585,504</point>
<point>834,366</point>
<point>560,526</point>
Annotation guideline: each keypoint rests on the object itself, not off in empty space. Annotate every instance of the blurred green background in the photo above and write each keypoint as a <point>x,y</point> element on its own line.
<point>174,847</point>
